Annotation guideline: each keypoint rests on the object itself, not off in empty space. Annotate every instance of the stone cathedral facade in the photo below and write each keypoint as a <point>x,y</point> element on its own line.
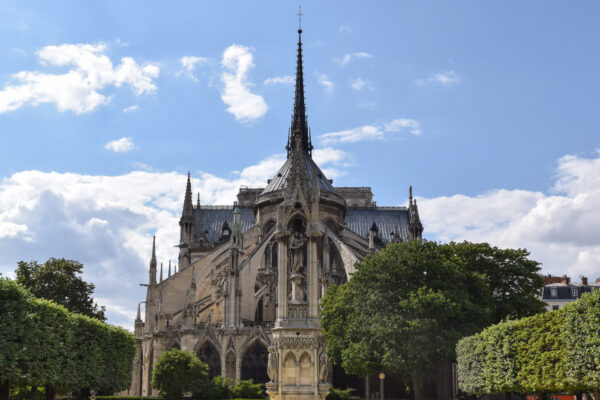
<point>245,297</point>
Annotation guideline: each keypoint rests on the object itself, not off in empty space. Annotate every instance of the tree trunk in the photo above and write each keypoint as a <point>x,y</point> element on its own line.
<point>4,390</point>
<point>596,393</point>
<point>50,392</point>
<point>34,392</point>
<point>84,394</point>
<point>417,389</point>
<point>367,387</point>
<point>507,395</point>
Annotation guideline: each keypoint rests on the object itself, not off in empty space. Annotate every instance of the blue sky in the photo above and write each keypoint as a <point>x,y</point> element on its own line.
<point>489,109</point>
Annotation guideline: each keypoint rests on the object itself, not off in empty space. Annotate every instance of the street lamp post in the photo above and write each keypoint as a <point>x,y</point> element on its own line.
<point>381,378</point>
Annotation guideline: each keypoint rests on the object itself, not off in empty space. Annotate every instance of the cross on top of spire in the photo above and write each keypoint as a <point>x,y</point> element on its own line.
<point>299,120</point>
<point>300,17</point>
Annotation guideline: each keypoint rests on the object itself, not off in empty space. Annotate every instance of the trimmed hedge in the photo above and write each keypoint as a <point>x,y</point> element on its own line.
<point>556,351</point>
<point>43,344</point>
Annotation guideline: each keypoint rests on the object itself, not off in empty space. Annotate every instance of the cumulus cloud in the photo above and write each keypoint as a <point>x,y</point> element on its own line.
<point>277,80</point>
<point>79,89</point>
<point>358,84</point>
<point>348,57</point>
<point>446,78</point>
<point>107,222</point>
<point>122,145</point>
<point>560,228</point>
<point>325,82</point>
<point>189,64</point>
<point>242,103</point>
<point>373,132</point>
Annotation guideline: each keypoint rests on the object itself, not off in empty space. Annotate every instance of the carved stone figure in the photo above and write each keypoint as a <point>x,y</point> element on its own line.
<point>297,247</point>
<point>272,364</point>
<point>323,366</point>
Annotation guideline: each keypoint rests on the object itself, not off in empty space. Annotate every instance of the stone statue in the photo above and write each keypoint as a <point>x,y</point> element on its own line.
<point>272,364</point>
<point>323,366</point>
<point>297,247</point>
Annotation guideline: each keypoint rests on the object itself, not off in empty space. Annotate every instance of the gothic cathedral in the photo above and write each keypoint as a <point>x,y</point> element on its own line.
<point>245,297</point>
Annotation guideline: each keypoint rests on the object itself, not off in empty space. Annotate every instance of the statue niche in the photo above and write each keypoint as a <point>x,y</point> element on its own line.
<point>297,263</point>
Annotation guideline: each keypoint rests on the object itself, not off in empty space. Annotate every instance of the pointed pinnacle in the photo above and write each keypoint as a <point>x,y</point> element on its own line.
<point>153,259</point>
<point>187,202</point>
<point>139,314</point>
<point>299,118</point>
<point>161,272</point>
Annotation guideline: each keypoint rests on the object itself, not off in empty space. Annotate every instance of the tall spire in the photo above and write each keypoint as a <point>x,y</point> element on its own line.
<point>299,121</point>
<point>188,206</point>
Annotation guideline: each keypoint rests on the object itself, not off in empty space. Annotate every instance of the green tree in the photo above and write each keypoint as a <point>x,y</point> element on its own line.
<point>59,280</point>
<point>178,372</point>
<point>513,278</point>
<point>403,311</point>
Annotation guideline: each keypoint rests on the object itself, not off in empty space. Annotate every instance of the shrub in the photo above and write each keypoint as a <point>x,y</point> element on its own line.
<point>248,390</point>
<point>177,372</point>
<point>341,394</point>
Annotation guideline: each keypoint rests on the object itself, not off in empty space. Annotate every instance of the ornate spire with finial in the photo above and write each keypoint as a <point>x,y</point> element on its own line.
<point>153,259</point>
<point>153,263</point>
<point>299,120</point>
<point>188,206</point>
<point>198,203</point>
<point>139,313</point>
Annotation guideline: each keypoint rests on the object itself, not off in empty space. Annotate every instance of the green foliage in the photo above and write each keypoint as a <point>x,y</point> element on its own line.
<point>403,310</point>
<point>582,338</point>
<point>220,388</point>
<point>178,372</point>
<point>514,279</point>
<point>43,344</point>
<point>549,352</point>
<point>59,280</point>
<point>341,394</point>
<point>247,389</point>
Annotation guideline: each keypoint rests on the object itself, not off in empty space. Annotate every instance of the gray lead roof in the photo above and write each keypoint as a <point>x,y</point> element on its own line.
<point>209,220</point>
<point>279,181</point>
<point>389,220</point>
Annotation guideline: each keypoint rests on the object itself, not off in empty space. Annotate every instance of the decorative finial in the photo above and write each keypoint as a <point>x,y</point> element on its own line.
<point>300,19</point>
<point>161,271</point>
<point>139,314</point>
<point>198,203</point>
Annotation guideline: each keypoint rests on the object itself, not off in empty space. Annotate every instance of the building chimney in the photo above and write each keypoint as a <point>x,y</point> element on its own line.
<point>565,280</point>
<point>584,281</point>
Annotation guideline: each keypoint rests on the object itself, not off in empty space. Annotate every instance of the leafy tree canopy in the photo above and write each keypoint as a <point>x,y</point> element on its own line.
<point>178,372</point>
<point>59,280</point>
<point>405,308</point>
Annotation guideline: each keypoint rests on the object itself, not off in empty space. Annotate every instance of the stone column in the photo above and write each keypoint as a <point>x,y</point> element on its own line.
<point>313,278</point>
<point>282,259</point>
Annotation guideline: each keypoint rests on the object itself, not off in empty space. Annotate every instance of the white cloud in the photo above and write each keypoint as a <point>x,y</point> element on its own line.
<point>189,64</point>
<point>132,108</point>
<point>446,78</point>
<point>561,229</point>
<point>373,132</point>
<point>346,58</point>
<point>122,145</point>
<point>80,88</point>
<point>325,82</point>
<point>358,83</point>
<point>344,29</point>
<point>285,79</point>
<point>398,125</point>
<point>107,222</point>
<point>242,103</point>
